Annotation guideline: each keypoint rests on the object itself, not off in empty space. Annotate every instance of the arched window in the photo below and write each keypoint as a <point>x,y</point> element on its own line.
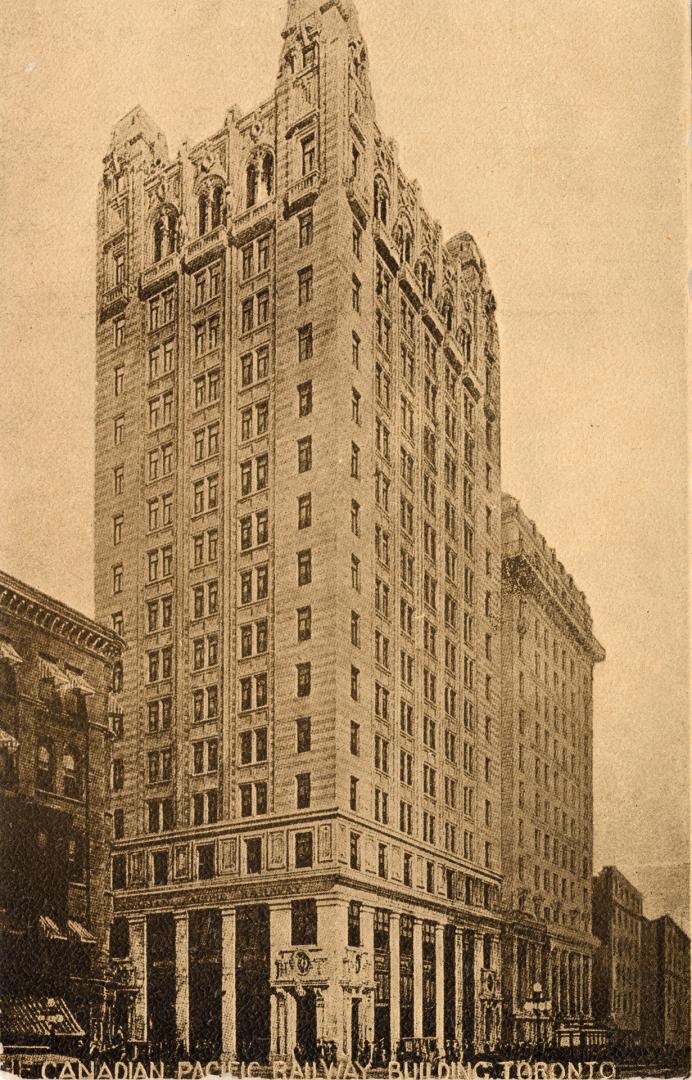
<point>448,313</point>
<point>71,773</point>
<point>158,240</point>
<point>268,174</point>
<point>216,206</point>
<point>172,233</point>
<point>381,201</point>
<point>251,186</point>
<point>203,207</point>
<point>75,858</point>
<point>44,765</point>
<point>117,683</point>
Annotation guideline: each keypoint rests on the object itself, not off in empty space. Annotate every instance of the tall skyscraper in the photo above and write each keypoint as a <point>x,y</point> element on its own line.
<point>298,535</point>
<point>548,655</point>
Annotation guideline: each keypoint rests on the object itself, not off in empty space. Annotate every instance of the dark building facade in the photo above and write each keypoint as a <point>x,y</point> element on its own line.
<point>549,652</point>
<point>665,980</point>
<point>56,669</point>
<point>618,923</point>
<point>298,535</point>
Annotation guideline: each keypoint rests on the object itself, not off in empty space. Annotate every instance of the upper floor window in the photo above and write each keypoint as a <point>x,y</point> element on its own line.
<point>44,765</point>
<point>165,235</point>
<point>381,201</point>
<point>71,773</point>
<point>308,154</point>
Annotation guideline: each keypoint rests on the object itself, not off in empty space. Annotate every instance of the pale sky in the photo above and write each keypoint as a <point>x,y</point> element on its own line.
<point>555,134</point>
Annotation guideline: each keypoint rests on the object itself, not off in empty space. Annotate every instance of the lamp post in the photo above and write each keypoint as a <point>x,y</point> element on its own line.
<point>541,1005</point>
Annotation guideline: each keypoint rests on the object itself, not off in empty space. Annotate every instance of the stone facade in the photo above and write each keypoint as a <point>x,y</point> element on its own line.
<point>55,908</point>
<point>665,981</point>
<point>298,535</point>
<point>617,923</point>
<point>548,656</point>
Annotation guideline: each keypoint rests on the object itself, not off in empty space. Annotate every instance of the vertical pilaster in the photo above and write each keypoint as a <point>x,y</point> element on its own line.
<point>588,1005</point>
<point>417,978</point>
<point>458,983</point>
<point>228,995</point>
<point>138,958</point>
<point>367,937</point>
<point>394,983</point>
<point>182,980</point>
<point>282,1032</point>
<point>440,986</point>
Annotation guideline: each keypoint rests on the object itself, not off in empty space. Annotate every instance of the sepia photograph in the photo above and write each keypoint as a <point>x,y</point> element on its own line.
<point>343,540</point>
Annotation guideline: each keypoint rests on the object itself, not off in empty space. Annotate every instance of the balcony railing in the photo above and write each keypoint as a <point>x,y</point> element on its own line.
<point>205,245</point>
<point>165,268</point>
<point>253,221</point>
<point>358,199</point>
<point>302,192</point>
<point>115,298</point>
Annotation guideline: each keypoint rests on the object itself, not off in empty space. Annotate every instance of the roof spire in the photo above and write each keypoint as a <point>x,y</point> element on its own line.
<point>299,10</point>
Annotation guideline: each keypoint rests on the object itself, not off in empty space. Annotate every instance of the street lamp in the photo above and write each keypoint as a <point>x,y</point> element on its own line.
<point>541,1005</point>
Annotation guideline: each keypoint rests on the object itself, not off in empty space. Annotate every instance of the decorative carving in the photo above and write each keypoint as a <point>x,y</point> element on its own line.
<point>297,966</point>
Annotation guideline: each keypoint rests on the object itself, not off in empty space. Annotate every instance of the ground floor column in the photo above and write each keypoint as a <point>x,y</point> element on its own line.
<point>367,937</point>
<point>228,998</point>
<point>458,984</point>
<point>282,1017</point>
<point>182,981</point>
<point>440,986</point>
<point>394,983</point>
<point>138,957</point>
<point>417,978</point>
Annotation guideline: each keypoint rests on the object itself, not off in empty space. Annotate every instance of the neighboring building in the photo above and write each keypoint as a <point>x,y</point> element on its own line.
<point>665,1017</point>
<point>55,903</point>
<point>617,923</point>
<point>548,656</point>
<point>298,535</point>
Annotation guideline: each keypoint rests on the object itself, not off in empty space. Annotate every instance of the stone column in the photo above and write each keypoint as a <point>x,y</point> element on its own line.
<point>228,998</point>
<point>367,938</point>
<point>182,980</point>
<point>440,986</point>
<point>557,980</point>
<point>458,983</point>
<point>417,978</point>
<point>283,1034</point>
<point>588,1004</point>
<point>138,957</point>
<point>394,983</point>
<point>332,934</point>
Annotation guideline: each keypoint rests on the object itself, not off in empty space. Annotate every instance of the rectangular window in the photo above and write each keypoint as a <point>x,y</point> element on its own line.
<point>305,342</point>
<point>305,229</point>
<point>305,454</point>
<point>305,399</point>
<point>305,283</point>
<point>305,511</point>
<point>303,790</point>
<point>304,567</point>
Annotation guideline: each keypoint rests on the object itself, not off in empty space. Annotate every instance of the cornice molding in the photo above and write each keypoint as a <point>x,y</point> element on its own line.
<point>19,601</point>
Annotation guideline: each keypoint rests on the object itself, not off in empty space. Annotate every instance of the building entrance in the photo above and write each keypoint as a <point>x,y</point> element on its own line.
<point>355,1027</point>
<point>252,982</point>
<point>306,1026</point>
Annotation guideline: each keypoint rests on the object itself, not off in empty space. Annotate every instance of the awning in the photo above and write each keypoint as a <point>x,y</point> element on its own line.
<point>50,929</point>
<point>76,930</point>
<point>78,682</point>
<point>7,741</point>
<point>9,653</point>
<point>32,1016</point>
<point>51,671</point>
